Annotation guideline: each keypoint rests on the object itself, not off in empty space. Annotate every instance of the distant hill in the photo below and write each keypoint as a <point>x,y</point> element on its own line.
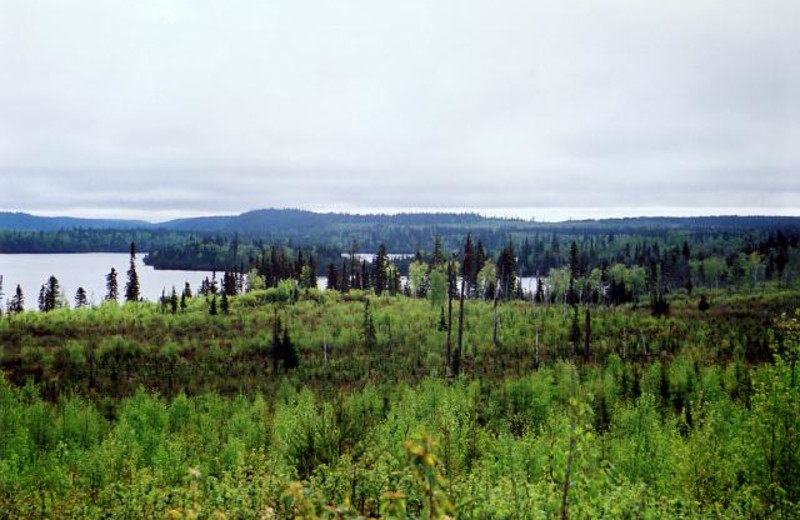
<point>28,222</point>
<point>296,222</point>
<point>267,221</point>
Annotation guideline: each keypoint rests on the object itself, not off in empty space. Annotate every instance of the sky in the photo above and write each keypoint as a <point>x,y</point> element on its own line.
<point>540,109</point>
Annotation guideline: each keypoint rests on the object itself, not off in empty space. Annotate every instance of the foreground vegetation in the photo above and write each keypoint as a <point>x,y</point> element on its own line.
<point>135,412</point>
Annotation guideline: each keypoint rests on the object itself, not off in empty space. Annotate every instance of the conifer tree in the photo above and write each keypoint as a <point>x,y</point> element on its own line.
<point>112,291</point>
<point>539,298</point>
<point>183,302</point>
<point>212,310</point>
<point>224,305</point>
<point>52,294</point>
<point>437,258</point>
<point>187,290</point>
<point>173,301</point>
<point>275,346</point>
<point>380,268</point>
<point>312,272</point>
<point>332,282</point>
<point>370,339</point>
<point>80,298</point>
<point>344,278</point>
<point>132,286</point>
<point>17,303</point>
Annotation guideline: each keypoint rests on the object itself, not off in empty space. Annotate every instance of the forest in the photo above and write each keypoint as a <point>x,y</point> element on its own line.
<point>647,375</point>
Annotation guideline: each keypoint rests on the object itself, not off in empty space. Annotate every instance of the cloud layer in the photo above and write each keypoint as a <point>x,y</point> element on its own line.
<point>157,108</point>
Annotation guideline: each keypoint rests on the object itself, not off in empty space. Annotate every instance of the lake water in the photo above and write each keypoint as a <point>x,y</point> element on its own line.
<point>87,270</point>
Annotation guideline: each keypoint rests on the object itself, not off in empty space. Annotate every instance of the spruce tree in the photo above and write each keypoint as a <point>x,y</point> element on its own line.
<point>132,286</point>
<point>370,339</point>
<point>17,303</point>
<point>289,352</point>
<point>212,310</point>
<point>112,292</point>
<point>80,298</point>
<point>173,301</point>
<point>224,305</point>
<point>312,272</point>
<point>42,299</point>
<point>332,283</point>
<point>275,350</point>
<point>380,268</point>
<point>52,294</point>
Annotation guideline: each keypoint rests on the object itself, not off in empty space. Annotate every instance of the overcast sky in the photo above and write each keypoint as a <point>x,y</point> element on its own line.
<point>546,109</point>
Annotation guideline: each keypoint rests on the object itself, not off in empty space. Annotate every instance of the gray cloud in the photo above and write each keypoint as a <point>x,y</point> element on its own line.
<point>157,109</point>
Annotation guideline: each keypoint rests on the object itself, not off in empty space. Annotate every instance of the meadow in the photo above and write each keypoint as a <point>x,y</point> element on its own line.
<point>132,411</point>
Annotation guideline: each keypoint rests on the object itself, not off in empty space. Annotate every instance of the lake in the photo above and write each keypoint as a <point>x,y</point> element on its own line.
<point>87,270</point>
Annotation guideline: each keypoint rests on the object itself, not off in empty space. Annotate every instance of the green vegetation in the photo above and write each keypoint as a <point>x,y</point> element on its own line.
<point>308,404</point>
<point>643,378</point>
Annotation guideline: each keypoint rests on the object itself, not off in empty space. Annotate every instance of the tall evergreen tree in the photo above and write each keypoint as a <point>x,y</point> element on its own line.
<point>212,309</point>
<point>224,304</point>
<point>370,339</point>
<point>173,301</point>
<point>312,272</point>
<point>332,278</point>
<point>17,303</point>
<point>132,286</point>
<point>380,268</point>
<point>80,298</point>
<point>275,350</point>
<point>289,352</point>
<point>344,278</point>
<point>42,299</point>
<point>53,293</point>
<point>507,271</point>
<point>112,291</point>
<point>437,258</point>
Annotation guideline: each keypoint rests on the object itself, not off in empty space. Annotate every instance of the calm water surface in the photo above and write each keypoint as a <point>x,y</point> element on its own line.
<point>87,270</point>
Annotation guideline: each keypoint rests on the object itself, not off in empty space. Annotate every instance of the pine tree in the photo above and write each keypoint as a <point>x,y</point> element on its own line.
<point>370,339</point>
<point>17,303</point>
<point>276,345</point>
<point>80,298</point>
<point>332,282</point>
<point>52,294</point>
<point>506,271</point>
<point>112,292</point>
<point>183,302</point>
<point>344,278</point>
<point>224,305</point>
<point>42,299</point>
<point>132,286</point>
<point>380,268</point>
<point>437,258</point>
<point>173,301</point>
<point>539,298</point>
<point>212,310</point>
<point>312,272</point>
<point>187,290</point>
